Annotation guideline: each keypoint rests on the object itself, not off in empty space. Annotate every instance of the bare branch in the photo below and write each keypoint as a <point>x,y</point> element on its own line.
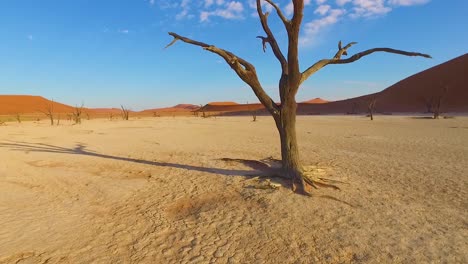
<point>279,12</point>
<point>228,56</point>
<point>343,51</point>
<point>172,43</point>
<point>245,70</point>
<point>264,42</point>
<point>359,55</point>
<point>271,38</point>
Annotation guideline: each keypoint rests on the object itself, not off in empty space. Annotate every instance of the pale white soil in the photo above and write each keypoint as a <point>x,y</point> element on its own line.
<point>155,191</point>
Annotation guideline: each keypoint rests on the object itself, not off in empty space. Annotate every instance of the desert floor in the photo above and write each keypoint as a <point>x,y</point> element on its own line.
<point>156,190</point>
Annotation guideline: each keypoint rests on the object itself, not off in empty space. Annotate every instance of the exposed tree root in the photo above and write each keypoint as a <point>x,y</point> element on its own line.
<point>301,183</point>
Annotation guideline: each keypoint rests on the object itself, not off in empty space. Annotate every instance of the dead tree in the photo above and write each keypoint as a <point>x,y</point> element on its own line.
<point>77,112</point>
<point>437,101</point>
<point>434,103</point>
<point>253,113</point>
<point>202,109</point>
<point>371,107</point>
<point>18,117</point>
<point>291,79</point>
<point>125,112</point>
<point>49,112</point>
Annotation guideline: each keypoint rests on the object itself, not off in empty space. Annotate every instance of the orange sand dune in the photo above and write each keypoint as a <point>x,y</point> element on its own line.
<point>104,110</point>
<point>28,104</point>
<point>410,94</point>
<point>223,103</point>
<point>232,108</point>
<point>316,101</point>
<point>176,108</point>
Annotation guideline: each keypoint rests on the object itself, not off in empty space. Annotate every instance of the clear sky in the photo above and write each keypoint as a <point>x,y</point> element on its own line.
<point>106,53</point>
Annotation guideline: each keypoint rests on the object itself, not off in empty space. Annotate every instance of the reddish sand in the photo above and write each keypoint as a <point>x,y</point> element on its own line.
<point>410,94</point>
<point>223,103</point>
<point>232,108</point>
<point>105,110</point>
<point>27,104</point>
<point>176,108</point>
<point>316,101</point>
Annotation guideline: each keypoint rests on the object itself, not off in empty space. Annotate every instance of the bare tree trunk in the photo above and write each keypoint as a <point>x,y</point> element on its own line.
<point>291,165</point>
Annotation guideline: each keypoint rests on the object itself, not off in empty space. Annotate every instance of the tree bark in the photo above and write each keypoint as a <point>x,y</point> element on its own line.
<point>291,165</point>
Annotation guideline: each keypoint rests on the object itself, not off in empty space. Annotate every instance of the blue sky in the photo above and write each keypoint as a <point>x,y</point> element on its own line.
<point>106,53</point>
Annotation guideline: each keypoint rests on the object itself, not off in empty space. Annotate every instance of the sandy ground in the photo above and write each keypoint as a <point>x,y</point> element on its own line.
<point>155,191</point>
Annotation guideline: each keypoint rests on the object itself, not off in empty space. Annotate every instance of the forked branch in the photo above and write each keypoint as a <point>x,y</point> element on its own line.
<point>270,38</point>
<point>279,12</point>
<point>343,51</point>
<point>245,70</point>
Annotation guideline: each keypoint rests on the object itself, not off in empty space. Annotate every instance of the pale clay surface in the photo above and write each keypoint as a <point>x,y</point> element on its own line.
<point>154,191</point>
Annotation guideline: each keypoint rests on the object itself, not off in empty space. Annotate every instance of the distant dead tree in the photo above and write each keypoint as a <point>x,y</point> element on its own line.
<point>371,107</point>
<point>253,113</point>
<point>125,112</point>
<point>291,79</point>
<point>433,103</point>
<point>18,117</point>
<point>437,101</point>
<point>88,117</point>
<point>111,116</point>
<point>49,111</point>
<point>77,112</point>
<point>58,119</point>
<point>202,109</point>
<point>155,114</point>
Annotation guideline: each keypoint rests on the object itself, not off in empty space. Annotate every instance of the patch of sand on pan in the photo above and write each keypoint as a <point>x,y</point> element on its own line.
<point>169,190</point>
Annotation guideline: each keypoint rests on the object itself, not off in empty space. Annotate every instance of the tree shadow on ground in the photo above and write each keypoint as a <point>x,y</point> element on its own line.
<point>422,117</point>
<point>81,149</point>
<point>268,168</point>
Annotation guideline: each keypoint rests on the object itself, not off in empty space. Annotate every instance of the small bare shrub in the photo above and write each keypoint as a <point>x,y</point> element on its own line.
<point>49,112</point>
<point>18,118</point>
<point>125,112</point>
<point>77,113</point>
